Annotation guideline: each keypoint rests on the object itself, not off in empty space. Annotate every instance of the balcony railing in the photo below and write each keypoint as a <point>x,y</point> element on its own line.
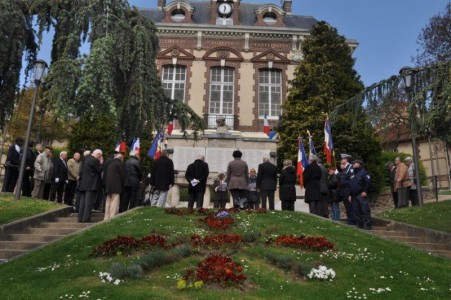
<point>230,121</point>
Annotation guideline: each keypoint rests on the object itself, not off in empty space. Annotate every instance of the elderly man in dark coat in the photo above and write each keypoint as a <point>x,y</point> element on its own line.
<point>267,182</point>
<point>161,179</point>
<point>59,177</point>
<point>312,177</point>
<point>12,164</point>
<point>90,183</point>
<point>287,181</point>
<point>132,185</point>
<point>196,175</point>
<point>114,177</point>
<point>238,179</point>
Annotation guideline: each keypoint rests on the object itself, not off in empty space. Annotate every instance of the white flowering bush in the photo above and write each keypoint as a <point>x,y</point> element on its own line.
<point>322,273</point>
<point>106,277</point>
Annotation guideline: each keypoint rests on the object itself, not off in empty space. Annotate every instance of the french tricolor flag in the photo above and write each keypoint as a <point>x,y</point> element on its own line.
<point>136,146</point>
<point>121,147</point>
<point>328,144</point>
<point>302,163</point>
<point>170,127</point>
<point>266,125</point>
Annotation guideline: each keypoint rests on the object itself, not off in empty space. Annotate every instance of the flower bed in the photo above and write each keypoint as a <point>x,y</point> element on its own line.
<point>218,223</point>
<point>216,269</point>
<point>216,240</point>
<point>188,211</point>
<point>317,243</point>
<point>124,245</point>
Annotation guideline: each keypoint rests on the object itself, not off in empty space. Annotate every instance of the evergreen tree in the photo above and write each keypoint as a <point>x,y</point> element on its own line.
<point>324,79</point>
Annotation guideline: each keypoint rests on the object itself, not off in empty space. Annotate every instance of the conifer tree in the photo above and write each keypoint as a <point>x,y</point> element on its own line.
<point>324,79</point>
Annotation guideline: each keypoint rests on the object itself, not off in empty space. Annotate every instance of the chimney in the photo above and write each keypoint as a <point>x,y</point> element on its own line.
<point>161,4</point>
<point>286,5</point>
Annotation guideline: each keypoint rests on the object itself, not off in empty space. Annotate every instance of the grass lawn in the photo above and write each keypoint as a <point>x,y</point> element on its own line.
<point>436,215</point>
<point>361,261</point>
<point>11,210</point>
<point>444,192</point>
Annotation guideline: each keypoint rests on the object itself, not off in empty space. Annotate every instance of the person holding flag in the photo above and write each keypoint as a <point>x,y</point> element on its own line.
<point>328,144</point>
<point>302,163</point>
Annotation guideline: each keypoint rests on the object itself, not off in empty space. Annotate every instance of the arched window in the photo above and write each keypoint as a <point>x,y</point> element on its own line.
<point>174,78</point>
<point>221,91</point>
<point>270,93</point>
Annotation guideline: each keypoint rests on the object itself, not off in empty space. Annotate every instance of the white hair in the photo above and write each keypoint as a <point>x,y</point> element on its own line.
<point>87,153</point>
<point>313,157</point>
<point>201,157</point>
<point>63,153</point>
<point>133,153</point>
<point>266,158</point>
<point>97,153</point>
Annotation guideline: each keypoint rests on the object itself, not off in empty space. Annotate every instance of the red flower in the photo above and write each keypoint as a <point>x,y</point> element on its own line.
<point>218,223</point>
<point>318,243</point>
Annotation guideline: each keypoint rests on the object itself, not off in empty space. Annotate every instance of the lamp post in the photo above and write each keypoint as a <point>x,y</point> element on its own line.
<point>407,77</point>
<point>39,69</point>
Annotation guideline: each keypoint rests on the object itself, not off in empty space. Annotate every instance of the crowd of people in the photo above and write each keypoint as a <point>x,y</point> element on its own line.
<point>116,186</point>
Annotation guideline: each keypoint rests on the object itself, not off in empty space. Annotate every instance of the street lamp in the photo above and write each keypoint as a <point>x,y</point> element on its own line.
<point>39,68</point>
<point>407,77</point>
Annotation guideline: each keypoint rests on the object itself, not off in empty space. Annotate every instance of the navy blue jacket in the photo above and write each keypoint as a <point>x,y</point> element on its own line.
<point>359,182</point>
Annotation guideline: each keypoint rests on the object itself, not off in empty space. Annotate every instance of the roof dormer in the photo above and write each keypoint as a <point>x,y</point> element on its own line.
<point>178,12</point>
<point>269,15</point>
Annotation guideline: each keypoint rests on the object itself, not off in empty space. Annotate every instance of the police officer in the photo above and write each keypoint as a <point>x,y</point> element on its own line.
<point>345,176</point>
<point>359,184</point>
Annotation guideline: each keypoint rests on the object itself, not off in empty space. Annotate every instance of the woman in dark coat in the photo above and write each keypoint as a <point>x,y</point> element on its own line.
<point>312,177</point>
<point>287,190</point>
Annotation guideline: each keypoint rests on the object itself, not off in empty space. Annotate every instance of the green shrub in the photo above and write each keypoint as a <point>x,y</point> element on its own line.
<point>182,251</point>
<point>118,270</point>
<point>135,271</point>
<point>152,260</point>
<point>251,236</point>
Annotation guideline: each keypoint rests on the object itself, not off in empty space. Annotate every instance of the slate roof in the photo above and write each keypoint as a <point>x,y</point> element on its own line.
<point>202,15</point>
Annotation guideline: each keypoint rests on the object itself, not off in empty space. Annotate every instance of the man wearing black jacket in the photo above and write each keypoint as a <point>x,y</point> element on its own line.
<point>12,164</point>
<point>267,182</point>
<point>162,179</point>
<point>59,177</point>
<point>196,175</point>
<point>132,184</point>
<point>90,183</point>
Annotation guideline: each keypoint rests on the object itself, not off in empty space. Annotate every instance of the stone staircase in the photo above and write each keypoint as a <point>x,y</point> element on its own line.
<point>432,241</point>
<point>19,238</point>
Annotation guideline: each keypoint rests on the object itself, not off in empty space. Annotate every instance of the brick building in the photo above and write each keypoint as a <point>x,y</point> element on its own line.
<point>229,57</point>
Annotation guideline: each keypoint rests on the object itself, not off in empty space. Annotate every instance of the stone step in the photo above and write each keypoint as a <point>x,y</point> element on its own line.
<point>444,253</point>
<point>389,233</point>
<point>6,254</point>
<point>380,228</point>
<point>20,245</point>
<point>68,225</point>
<point>430,246</point>
<point>406,239</point>
<point>50,231</point>
<point>32,237</point>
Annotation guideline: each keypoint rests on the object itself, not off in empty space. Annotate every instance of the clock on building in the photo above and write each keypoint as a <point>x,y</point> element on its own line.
<point>224,9</point>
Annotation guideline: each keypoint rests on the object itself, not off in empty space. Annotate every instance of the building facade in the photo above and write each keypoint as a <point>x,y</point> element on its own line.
<point>230,58</point>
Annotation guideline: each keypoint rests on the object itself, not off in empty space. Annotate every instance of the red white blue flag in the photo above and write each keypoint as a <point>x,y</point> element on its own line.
<point>170,127</point>
<point>136,146</point>
<point>155,149</point>
<point>328,143</point>
<point>302,163</point>
<point>266,125</point>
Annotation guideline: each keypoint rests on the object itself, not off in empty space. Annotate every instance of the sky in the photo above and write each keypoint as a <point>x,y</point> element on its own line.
<point>386,30</point>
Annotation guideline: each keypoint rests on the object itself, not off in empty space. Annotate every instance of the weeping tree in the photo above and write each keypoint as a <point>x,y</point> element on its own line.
<point>16,39</point>
<point>324,79</point>
<point>117,79</point>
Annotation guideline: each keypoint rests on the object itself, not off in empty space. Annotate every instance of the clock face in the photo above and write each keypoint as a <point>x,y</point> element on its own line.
<point>224,9</point>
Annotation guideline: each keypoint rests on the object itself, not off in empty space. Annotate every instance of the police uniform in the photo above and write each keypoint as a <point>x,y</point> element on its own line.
<point>345,177</point>
<point>359,183</point>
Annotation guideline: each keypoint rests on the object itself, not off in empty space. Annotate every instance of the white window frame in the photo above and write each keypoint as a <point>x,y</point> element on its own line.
<point>270,85</point>
<point>222,84</point>
<point>173,80</point>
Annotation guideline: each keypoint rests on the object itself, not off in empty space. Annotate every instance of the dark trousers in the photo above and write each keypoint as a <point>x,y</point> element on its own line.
<point>195,196</point>
<point>10,180</point>
<point>47,188</point>
<point>267,195</point>
<point>350,215</point>
<point>395,198</point>
<point>288,205</point>
<point>58,191</point>
<point>324,206</point>
<point>413,196</point>
<point>315,207</point>
<point>129,198</point>
<point>87,199</point>
<point>362,211</point>
<point>221,199</point>
<point>253,200</point>
<point>239,198</point>
<point>69,193</point>
<point>26,184</point>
